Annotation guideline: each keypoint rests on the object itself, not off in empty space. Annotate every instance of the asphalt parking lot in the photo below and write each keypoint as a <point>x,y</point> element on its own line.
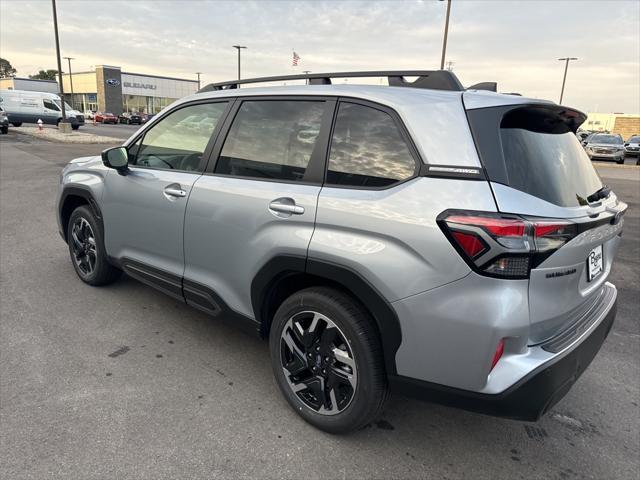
<point>124,382</point>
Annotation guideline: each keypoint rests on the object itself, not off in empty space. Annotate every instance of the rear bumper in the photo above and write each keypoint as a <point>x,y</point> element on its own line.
<point>530,397</point>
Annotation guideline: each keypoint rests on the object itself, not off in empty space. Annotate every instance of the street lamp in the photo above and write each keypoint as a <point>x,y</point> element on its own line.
<point>566,61</point>
<point>63,125</point>
<point>446,34</point>
<point>238,47</point>
<point>71,81</point>
<point>198,74</point>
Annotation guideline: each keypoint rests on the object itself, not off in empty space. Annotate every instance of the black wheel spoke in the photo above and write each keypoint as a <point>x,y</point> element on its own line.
<point>83,246</point>
<point>318,363</point>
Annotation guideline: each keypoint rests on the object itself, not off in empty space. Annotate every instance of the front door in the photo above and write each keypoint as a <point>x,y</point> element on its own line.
<point>143,210</point>
<point>257,201</point>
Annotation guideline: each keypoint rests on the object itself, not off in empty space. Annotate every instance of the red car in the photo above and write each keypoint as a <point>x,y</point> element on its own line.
<point>106,118</point>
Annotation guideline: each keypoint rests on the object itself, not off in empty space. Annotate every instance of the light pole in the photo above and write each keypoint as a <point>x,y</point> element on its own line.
<point>566,61</point>
<point>446,34</point>
<point>73,105</point>
<point>238,47</point>
<point>198,74</point>
<point>64,125</point>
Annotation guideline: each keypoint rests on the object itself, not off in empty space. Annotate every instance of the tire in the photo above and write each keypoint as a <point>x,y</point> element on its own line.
<point>621,161</point>
<point>84,235</point>
<point>4,130</point>
<point>16,124</point>
<point>356,399</point>
<point>75,127</point>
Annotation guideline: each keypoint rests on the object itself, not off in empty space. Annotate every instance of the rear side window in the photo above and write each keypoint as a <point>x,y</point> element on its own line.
<point>178,141</point>
<point>271,139</point>
<point>535,150</point>
<point>367,149</point>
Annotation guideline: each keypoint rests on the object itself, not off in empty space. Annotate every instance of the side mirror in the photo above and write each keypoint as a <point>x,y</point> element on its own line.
<point>116,158</point>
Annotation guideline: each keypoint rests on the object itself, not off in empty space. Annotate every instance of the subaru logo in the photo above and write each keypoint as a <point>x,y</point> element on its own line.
<point>113,82</point>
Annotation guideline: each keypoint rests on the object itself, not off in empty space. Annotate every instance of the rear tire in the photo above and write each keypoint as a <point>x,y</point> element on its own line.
<point>86,248</point>
<point>621,161</point>
<point>326,356</point>
<point>4,130</point>
<point>16,124</point>
<point>75,127</point>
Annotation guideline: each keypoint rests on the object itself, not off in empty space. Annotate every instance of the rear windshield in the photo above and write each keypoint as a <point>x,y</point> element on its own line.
<point>534,149</point>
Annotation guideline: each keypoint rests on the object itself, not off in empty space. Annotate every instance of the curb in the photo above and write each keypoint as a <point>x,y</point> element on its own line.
<point>67,140</point>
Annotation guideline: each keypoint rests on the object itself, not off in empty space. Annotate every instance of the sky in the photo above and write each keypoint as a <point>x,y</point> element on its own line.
<point>516,43</point>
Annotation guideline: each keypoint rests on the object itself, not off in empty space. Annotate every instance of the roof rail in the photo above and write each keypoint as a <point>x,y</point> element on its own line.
<point>432,79</point>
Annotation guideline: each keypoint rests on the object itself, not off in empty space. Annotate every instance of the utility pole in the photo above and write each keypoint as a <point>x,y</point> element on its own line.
<point>198,74</point>
<point>238,47</point>
<point>446,34</point>
<point>306,80</point>
<point>64,125</point>
<point>566,61</point>
<point>73,105</point>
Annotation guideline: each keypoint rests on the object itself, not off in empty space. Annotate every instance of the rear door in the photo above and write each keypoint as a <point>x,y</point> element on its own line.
<point>257,199</point>
<point>539,170</point>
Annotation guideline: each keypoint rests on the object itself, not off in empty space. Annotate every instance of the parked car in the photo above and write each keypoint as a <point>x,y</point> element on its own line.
<point>4,122</point>
<point>29,107</point>
<point>130,118</point>
<point>632,146</point>
<point>604,146</point>
<point>459,265</point>
<point>146,117</point>
<point>107,118</point>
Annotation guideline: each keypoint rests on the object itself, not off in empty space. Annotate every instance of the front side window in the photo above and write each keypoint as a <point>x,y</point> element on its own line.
<point>178,141</point>
<point>50,105</point>
<point>271,139</point>
<point>367,149</point>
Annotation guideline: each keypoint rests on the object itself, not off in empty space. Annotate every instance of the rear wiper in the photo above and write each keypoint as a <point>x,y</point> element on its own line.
<point>598,194</point>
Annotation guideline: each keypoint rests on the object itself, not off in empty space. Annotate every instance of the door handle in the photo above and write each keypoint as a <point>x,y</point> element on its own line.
<point>285,207</point>
<point>175,192</point>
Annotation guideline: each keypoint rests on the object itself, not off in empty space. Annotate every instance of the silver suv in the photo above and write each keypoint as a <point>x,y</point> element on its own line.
<point>448,243</point>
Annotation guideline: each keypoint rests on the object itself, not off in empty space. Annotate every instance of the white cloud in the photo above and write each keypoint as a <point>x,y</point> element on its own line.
<point>514,42</point>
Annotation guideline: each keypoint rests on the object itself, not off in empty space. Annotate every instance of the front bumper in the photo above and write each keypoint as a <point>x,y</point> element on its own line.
<point>632,151</point>
<point>606,156</point>
<point>530,397</point>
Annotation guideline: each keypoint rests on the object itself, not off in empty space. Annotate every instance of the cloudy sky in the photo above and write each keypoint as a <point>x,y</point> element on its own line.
<point>516,43</point>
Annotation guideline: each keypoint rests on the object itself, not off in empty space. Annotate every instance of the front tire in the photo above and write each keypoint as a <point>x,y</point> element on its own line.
<point>4,130</point>
<point>326,356</point>
<point>86,248</point>
<point>16,124</point>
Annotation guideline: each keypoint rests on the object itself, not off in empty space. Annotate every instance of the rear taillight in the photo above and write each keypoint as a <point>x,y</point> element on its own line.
<point>504,246</point>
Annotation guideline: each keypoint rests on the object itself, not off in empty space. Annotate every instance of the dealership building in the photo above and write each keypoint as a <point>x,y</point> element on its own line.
<point>109,89</point>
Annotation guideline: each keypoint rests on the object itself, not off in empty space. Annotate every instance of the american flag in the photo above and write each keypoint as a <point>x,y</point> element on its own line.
<point>296,58</point>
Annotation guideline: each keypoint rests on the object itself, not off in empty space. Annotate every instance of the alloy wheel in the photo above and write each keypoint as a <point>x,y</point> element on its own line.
<point>83,246</point>
<point>318,363</point>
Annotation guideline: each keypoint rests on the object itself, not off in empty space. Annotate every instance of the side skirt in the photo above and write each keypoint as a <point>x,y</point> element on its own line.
<point>192,293</point>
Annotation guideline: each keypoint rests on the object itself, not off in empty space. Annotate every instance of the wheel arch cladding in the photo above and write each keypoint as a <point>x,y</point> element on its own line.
<point>284,275</point>
<point>72,198</point>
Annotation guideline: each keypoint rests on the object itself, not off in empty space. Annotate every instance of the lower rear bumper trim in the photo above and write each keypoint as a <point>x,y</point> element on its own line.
<point>528,399</point>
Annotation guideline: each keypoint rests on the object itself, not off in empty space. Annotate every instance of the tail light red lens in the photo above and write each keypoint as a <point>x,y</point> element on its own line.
<point>498,354</point>
<point>504,246</point>
<point>471,244</point>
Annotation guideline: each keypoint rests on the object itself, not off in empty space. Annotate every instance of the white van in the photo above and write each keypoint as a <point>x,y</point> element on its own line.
<point>28,107</point>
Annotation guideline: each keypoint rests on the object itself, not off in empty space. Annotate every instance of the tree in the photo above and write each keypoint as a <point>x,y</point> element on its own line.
<point>6,70</point>
<point>45,75</point>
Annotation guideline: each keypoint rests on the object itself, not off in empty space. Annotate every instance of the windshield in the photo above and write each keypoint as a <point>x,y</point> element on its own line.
<point>609,139</point>
<point>634,140</point>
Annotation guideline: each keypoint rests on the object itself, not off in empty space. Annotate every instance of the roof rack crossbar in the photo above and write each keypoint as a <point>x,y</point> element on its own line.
<point>432,79</point>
